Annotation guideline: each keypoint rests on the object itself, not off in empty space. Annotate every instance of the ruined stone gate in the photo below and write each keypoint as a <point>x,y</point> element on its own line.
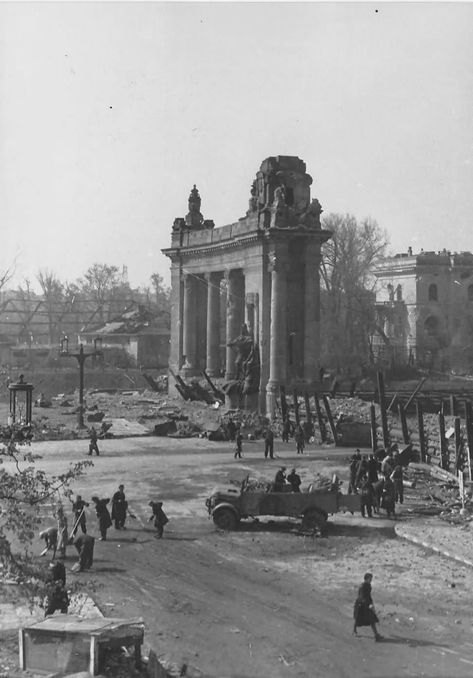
<point>245,298</point>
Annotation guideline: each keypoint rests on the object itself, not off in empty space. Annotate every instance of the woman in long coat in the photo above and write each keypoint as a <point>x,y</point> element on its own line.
<point>103,515</point>
<point>364,613</point>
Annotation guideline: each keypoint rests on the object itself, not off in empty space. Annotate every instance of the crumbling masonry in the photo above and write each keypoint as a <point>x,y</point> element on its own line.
<point>245,302</point>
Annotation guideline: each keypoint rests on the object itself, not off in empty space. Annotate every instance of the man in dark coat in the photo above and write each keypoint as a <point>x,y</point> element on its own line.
<point>300,439</point>
<point>286,429</point>
<point>295,480</point>
<point>159,517</point>
<point>103,515</point>
<point>93,447</point>
<point>78,508</point>
<point>279,480</point>
<point>364,613</point>
<point>119,508</point>
<point>269,444</point>
<point>84,544</point>
<point>372,469</point>
<point>366,492</point>
<point>387,497</point>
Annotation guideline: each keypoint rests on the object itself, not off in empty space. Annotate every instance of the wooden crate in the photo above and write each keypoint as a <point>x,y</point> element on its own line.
<point>69,643</point>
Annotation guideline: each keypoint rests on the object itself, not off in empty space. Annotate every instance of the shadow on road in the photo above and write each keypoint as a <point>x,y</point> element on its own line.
<point>112,570</point>
<point>368,529</point>
<point>411,642</point>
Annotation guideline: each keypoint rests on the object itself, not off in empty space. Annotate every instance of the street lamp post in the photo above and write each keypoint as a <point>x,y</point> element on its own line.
<point>81,357</point>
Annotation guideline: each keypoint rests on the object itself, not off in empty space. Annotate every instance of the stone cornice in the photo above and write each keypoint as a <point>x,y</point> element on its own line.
<point>257,237</point>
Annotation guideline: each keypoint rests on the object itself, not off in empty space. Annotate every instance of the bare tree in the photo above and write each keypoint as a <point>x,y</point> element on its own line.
<point>53,295</point>
<point>162,294</point>
<point>108,286</point>
<point>347,287</point>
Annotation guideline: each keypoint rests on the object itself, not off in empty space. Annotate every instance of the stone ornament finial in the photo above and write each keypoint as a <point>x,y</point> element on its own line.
<point>194,218</point>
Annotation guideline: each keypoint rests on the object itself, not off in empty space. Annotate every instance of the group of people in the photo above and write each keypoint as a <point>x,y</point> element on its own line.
<point>292,480</point>
<point>379,480</point>
<point>56,539</point>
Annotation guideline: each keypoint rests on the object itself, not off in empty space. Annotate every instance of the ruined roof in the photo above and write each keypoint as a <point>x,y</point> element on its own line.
<point>136,320</point>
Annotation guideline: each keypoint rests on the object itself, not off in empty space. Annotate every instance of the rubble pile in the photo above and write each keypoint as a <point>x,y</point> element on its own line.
<point>438,494</point>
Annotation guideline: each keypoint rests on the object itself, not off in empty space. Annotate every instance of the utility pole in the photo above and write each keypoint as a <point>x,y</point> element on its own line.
<point>81,357</point>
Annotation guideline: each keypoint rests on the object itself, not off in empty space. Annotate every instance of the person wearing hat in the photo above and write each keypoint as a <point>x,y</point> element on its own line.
<point>103,515</point>
<point>279,480</point>
<point>159,517</point>
<point>295,480</point>
<point>119,507</point>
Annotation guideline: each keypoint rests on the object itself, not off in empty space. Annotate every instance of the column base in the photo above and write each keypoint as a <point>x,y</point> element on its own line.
<point>272,394</point>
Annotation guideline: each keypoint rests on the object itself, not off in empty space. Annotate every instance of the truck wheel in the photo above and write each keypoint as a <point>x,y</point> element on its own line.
<point>313,519</point>
<point>225,519</point>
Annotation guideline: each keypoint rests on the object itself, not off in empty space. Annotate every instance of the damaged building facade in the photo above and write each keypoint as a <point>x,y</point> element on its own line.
<point>424,310</point>
<point>245,302</point>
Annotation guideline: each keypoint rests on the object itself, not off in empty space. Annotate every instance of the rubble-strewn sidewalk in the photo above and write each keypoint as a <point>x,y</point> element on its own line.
<point>452,541</point>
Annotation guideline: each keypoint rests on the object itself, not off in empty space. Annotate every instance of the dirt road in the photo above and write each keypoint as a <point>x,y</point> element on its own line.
<point>265,601</point>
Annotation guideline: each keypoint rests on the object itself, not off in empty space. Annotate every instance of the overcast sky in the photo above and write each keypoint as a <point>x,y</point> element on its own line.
<point>110,112</point>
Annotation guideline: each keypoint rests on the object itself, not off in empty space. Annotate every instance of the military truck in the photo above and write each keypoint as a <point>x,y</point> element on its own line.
<point>230,504</point>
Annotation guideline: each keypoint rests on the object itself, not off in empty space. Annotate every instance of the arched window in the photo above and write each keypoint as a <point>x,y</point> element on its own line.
<point>470,292</point>
<point>433,292</point>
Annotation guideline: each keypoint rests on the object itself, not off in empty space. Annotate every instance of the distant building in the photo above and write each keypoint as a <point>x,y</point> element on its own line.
<point>424,310</point>
<point>135,338</point>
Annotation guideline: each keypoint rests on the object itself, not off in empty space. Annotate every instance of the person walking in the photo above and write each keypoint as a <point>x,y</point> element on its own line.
<point>300,439</point>
<point>93,447</point>
<point>78,509</point>
<point>364,613</point>
<point>103,515</point>
<point>85,544</point>
<point>239,444</point>
<point>119,508</point>
<point>269,444</point>
<point>159,517</point>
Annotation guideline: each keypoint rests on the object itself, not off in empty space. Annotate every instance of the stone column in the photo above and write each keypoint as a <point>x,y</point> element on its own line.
<point>233,320</point>
<point>213,324</point>
<point>278,330</point>
<point>189,332</point>
<point>312,313</point>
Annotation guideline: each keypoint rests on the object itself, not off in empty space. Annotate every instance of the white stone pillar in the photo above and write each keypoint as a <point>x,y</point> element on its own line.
<point>189,330</point>
<point>213,324</point>
<point>233,329</point>
<point>312,313</point>
<point>278,330</point>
